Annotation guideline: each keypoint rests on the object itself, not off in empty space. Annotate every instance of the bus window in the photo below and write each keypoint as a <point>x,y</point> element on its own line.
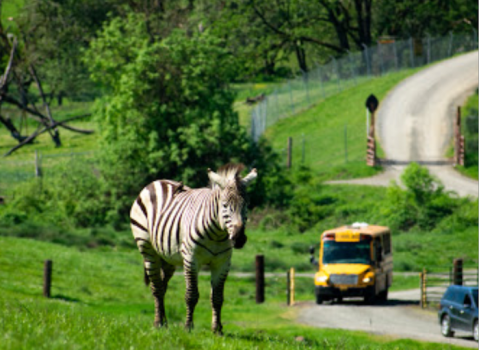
<point>346,252</point>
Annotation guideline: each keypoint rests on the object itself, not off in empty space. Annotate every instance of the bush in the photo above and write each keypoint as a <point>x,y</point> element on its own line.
<point>424,202</point>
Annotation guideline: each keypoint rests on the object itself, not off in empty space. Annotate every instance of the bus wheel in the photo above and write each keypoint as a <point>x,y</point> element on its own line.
<point>383,296</point>
<point>370,299</point>
<point>319,300</point>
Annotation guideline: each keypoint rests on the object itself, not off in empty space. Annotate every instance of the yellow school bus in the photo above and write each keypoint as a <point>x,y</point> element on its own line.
<point>354,261</point>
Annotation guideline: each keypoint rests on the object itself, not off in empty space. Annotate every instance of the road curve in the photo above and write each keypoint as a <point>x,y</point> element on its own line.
<point>400,317</point>
<point>415,122</point>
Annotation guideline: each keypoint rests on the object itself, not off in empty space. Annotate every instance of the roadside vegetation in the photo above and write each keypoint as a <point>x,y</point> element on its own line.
<point>469,124</point>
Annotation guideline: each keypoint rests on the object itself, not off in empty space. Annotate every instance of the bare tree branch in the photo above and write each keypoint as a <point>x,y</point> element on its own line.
<point>39,132</point>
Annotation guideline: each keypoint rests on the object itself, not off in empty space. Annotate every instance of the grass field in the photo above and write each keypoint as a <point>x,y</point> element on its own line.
<point>99,302</point>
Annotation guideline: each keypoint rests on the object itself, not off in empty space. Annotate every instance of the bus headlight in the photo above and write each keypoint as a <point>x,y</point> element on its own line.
<point>321,279</point>
<point>366,279</point>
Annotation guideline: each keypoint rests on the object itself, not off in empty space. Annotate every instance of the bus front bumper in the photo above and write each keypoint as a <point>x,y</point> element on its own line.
<point>329,292</point>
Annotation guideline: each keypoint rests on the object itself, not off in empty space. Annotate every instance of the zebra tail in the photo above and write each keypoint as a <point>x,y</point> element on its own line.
<point>146,278</point>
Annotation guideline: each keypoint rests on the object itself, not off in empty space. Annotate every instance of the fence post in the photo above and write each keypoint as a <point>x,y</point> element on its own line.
<point>458,140</point>
<point>423,288</point>
<point>259,279</point>
<point>428,48</point>
<point>290,287</point>
<point>449,50</point>
<point>396,61</point>
<point>38,168</point>
<point>380,55</point>
<point>289,161</point>
<point>457,275</point>
<point>291,96</point>
<point>306,85</point>
<point>346,142</point>
<point>368,64</point>
<point>411,50</point>
<point>303,150</point>
<point>336,68</point>
<point>47,278</point>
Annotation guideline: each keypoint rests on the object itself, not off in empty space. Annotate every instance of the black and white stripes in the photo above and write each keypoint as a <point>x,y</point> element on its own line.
<point>175,225</point>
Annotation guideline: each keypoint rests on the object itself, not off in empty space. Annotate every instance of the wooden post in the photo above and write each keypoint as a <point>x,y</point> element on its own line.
<point>47,278</point>
<point>458,150</point>
<point>288,288</point>
<point>291,286</point>
<point>371,152</point>
<point>457,275</point>
<point>289,161</point>
<point>259,279</point>
<point>423,288</point>
<point>346,143</point>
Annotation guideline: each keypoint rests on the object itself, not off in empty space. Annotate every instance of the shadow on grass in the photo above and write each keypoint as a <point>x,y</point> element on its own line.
<point>65,298</point>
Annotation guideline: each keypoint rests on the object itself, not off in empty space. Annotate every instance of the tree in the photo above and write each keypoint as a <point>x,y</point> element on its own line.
<point>169,114</point>
<point>416,18</point>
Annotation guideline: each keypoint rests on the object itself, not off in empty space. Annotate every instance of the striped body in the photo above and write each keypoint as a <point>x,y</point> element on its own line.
<point>179,222</point>
<point>174,225</point>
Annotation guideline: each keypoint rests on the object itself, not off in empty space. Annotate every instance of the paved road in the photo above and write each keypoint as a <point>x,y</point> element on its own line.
<point>414,122</point>
<point>400,317</point>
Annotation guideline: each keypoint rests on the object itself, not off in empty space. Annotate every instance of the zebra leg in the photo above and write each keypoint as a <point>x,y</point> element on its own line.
<point>155,276</point>
<point>192,294</point>
<point>218,278</point>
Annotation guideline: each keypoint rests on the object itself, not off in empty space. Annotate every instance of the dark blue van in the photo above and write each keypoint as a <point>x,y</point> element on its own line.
<point>458,311</point>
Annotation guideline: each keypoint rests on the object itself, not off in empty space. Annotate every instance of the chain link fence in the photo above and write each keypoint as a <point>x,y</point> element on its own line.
<point>387,56</point>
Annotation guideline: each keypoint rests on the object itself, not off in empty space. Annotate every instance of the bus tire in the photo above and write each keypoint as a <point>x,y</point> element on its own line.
<point>319,299</point>
<point>383,296</point>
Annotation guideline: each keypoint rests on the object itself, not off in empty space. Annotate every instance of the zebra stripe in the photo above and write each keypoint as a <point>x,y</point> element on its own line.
<point>174,225</point>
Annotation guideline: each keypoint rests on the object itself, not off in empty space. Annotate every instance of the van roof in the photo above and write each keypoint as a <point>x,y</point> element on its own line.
<point>367,229</point>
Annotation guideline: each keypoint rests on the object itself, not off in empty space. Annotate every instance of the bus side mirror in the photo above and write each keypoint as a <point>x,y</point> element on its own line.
<point>312,260</point>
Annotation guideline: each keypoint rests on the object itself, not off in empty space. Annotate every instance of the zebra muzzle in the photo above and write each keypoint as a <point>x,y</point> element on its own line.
<point>239,237</point>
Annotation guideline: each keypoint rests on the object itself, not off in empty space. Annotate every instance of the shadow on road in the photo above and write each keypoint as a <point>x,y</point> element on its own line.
<point>389,303</point>
<point>420,162</point>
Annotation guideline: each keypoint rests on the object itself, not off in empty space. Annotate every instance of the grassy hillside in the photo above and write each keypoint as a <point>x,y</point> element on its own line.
<point>334,131</point>
<point>99,301</point>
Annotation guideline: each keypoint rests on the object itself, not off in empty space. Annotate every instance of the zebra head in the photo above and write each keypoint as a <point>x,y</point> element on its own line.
<point>232,207</point>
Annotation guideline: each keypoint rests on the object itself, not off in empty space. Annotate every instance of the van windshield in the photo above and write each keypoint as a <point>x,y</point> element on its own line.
<point>346,252</point>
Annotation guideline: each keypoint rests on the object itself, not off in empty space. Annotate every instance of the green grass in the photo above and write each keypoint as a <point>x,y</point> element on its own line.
<point>325,125</point>
<point>99,301</point>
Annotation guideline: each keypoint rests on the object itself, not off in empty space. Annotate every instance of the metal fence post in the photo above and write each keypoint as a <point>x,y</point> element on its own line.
<point>449,49</point>
<point>411,51</point>
<point>368,63</point>
<point>291,96</point>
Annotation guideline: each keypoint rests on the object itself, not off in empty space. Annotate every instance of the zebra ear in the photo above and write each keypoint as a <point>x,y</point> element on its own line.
<point>250,177</point>
<point>215,178</point>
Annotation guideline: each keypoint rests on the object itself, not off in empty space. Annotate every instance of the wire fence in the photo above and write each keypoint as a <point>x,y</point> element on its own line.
<point>14,173</point>
<point>387,56</point>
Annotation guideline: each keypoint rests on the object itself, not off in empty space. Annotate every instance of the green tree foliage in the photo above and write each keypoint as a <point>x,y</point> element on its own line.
<point>169,113</point>
<point>413,18</point>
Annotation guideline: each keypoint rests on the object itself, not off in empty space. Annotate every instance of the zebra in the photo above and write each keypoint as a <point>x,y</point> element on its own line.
<point>174,225</point>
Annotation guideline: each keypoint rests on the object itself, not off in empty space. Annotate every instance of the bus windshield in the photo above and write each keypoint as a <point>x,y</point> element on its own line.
<point>346,252</point>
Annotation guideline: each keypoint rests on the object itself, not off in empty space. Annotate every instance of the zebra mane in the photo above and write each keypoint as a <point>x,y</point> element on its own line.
<point>231,173</point>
